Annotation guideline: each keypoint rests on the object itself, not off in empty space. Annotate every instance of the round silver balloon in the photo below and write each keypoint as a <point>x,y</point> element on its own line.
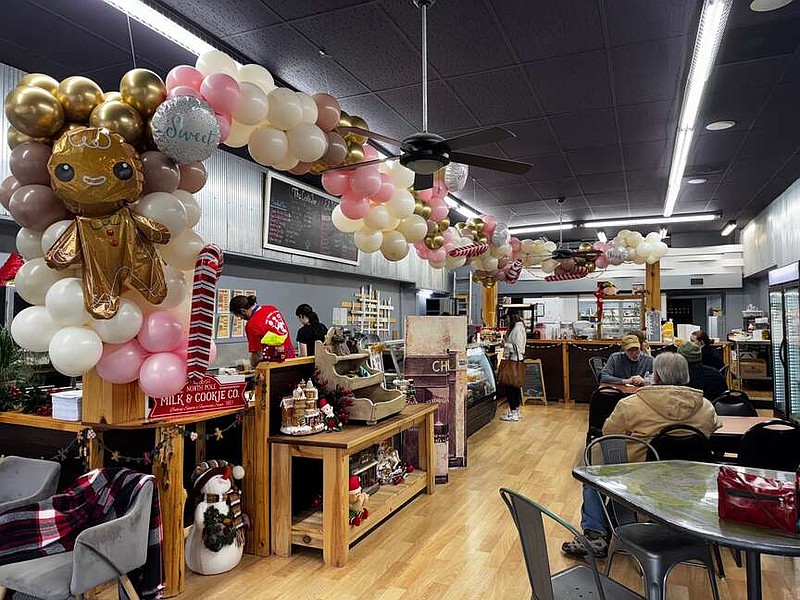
<point>616,256</point>
<point>500,235</point>
<point>185,129</point>
<point>455,176</point>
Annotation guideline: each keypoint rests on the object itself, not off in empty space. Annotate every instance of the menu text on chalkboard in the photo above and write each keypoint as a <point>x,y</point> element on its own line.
<point>297,219</point>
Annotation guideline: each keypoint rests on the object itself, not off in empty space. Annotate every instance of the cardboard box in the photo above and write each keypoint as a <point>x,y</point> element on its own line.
<point>753,366</point>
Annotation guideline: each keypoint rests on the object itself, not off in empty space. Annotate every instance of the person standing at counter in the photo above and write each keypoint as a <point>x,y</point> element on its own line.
<point>265,327</point>
<point>710,357</point>
<point>630,366</point>
<point>311,331</point>
<point>513,349</point>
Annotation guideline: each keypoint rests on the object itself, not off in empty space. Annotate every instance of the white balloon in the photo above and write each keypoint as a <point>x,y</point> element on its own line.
<point>307,142</point>
<point>52,233</point>
<point>287,164</point>
<point>401,204</point>
<point>258,75</point>
<point>164,208</point>
<point>33,328</point>
<point>660,249</point>
<point>181,252</point>
<point>653,237</point>
<point>391,225</point>
<point>377,218</point>
<point>177,288</point>
<point>239,135</point>
<point>651,259</point>
<point>215,61</point>
<point>528,246</point>
<point>190,205</point>
<point>34,279</point>
<point>454,262</point>
<point>402,177</point>
<point>29,243</point>
<point>64,302</point>
<point>394,246</point>
<point>285,111</point>
<point>310,110</point>
<point>368,241</point>
<point>549,265</point>
<point>344,224</point>
<point>643,249</point>
<point>549,246</point>
<point>75,350</point>
<point>253,104</point>
<point>268,145</point>
<point>634,239</point>
<point>414,228</point>
<point>122,327</point>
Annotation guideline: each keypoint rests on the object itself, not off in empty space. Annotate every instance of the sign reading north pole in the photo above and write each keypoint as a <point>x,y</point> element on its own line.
<point>207,395</point>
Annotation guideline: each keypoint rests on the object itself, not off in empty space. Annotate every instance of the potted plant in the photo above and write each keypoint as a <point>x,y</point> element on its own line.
<point>17,390</point>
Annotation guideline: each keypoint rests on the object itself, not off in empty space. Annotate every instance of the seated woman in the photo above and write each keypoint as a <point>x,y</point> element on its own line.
<point>710,357</point>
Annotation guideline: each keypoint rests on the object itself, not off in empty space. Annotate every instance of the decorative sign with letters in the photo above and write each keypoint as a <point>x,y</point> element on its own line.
<point>207,395</point>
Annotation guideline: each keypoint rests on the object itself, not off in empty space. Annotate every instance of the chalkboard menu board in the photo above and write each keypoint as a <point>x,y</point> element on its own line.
<point>534,380</point>
<point>298,220</point>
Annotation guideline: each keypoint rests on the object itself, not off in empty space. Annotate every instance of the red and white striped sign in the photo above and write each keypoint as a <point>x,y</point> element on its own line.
<point>201,324</point>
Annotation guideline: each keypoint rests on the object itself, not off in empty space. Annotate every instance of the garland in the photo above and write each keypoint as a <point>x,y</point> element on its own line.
<point>340,398</point>
<point>218,531</point>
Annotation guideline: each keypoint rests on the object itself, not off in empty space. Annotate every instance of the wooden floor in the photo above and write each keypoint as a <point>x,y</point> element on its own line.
<point>461,543</point>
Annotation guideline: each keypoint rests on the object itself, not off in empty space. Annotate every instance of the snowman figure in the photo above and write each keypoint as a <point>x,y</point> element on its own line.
<point>216,542</point>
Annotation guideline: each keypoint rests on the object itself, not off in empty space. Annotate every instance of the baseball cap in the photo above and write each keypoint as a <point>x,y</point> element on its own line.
<point>630,341</point>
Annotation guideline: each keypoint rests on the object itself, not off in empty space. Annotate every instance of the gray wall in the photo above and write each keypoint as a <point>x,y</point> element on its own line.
<point>772,239</point>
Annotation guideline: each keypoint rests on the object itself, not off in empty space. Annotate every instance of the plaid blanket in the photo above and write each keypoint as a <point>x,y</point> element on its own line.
<point>51,526</point>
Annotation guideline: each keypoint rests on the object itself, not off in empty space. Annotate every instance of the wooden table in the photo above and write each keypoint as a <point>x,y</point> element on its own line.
<point>726,439</point>
<point>329,529</point>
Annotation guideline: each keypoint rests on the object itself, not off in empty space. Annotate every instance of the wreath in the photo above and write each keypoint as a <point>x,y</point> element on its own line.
<point>218,531</point>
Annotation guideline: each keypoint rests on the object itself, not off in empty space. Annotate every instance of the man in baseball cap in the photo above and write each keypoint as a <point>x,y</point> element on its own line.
<point>629,366</point>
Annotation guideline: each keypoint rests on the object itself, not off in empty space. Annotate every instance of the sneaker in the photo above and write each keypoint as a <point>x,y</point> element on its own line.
<point>597,544</point>
<point>517,413</point>
<point>509,416</point>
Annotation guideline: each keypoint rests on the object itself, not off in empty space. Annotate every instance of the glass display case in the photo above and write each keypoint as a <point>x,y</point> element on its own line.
<point>481,390</point>
<point>620,314</point>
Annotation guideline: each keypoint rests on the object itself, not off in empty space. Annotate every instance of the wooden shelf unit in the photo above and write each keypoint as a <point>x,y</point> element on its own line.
<point>369,312</point>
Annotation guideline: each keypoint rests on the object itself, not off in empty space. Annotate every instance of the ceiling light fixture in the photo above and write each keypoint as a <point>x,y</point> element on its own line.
<point>768,5</point>
<point>541,228</point>
<point>450,202</point>
<point>728,229</point>
<point>464,211</point>
<point>161,24</point>
<point>709,34</point>
<point>657,220</point>
<point>601,236</point>
<point>663,233</point>
<point>720,125</point>
<point>697,180</point>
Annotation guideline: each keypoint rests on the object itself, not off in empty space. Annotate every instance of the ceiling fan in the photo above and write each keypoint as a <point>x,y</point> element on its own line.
<point>425,152</point>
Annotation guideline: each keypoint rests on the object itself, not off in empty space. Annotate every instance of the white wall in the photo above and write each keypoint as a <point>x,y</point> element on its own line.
<point>772,239</point>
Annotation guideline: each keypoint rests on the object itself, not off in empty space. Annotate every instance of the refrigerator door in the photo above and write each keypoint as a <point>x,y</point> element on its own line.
<point>778,344</point>
<point>791,303</point>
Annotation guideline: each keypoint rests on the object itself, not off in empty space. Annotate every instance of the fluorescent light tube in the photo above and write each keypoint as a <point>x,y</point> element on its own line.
<point>541,228</point>
<point>728,229</point>
<point>601,236</point>
<point>709,34</point>
<point>450,202</point>
<point>161,24</point>
<point>652,220</point>
<point>463,210</point>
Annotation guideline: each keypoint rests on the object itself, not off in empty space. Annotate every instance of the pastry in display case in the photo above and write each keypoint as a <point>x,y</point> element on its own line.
<point>481,390</point>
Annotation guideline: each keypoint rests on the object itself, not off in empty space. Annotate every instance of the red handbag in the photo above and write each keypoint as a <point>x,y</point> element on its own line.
<point>756,500</point>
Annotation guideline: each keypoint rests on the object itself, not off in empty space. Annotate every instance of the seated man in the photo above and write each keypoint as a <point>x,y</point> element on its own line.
<point>628,366</point>
<point>668,402</point>
<point>702,377</point>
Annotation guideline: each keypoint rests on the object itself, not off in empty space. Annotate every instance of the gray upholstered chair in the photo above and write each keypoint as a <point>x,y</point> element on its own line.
<point>102,553</point>
<point>24,481</point>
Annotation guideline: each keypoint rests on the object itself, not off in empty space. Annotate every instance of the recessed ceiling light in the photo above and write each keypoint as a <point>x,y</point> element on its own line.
<point>697,180</point>
<point>720,125</point>
<point>768,5</point>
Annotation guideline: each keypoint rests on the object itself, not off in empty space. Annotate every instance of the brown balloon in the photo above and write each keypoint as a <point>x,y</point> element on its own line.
<point>143,90</point>
<point>336,153</point>
<point>79,95</point>
<point>8,187</point>
<point>37,207</point>
<point>108,96</point>
<point>193,177</point>
<point>361,123</point>
<point>28,163</point>
<point>161,173</point>
<point>14,138</point>
<point>355,154</point>
<point>34,112</point>
<point>300,168</point>
<point>328,111</point>
<point>120,118</point>
<point>40,80</point>
<point>443,224</point>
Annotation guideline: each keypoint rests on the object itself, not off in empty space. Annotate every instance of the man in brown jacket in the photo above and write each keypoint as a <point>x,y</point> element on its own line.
<point>643,415</point>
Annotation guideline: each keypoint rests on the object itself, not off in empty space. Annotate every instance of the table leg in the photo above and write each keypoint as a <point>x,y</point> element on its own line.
<point>335,525</point>
<point>752,561</point>
<point>281,493</point>
<point>426,455</point>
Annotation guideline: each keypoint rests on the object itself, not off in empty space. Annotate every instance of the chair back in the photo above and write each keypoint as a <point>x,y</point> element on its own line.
<point>681,442</point>
<point>734,403</point>
<point>24,481</point>
<point>527,516</point>
<point>724,370</point>
<point>771,445</point>
<point>596,364</point>
<point>601,404</point>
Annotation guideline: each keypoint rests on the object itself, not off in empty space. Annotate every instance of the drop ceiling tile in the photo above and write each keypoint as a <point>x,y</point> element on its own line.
<point>753,42</point>
<point>647,122</point>
<point>741,15</point>
<point>650,71</point>
<point>647,155</point>
<point>492,179</point>
<point>652,199</point>
<point>602,183</point>
<point>571,83</point>
<point>631,21</point>
<point>606,201</point>
<point>588,161</point>
<point>496,96</point>
<point>379,117</point>
<point>547,166</point>
<point>715,147</point>
<point>585,129</point>
<point>647,178</point>
<point>553,188</point>
<point>533,138</point>
<point>768,143</point>
<point>780,111</point>
<point>759,169</point>
<point>445,111</point>
<point>731,78</point>
<point>292,9</point>
<point>237,16</point>
<point>740,106</point>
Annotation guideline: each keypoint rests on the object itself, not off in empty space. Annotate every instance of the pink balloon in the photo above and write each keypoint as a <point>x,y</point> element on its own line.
<point>366,181</point>
<point>354,206</point>
<point>184,75</point>
<point>183,90</point>
<point>161,332</point>
<point>516,245</point>
<point>386,192</point>
<point>221,92</point>
<point>120,363</point>
<point>448,234</point>
<point>601,261</point>
<point>424,195</point>
<point>336,182</point>
<point>437,255</point>
<point>162,374</point>
<point>193,177</point>
<point>447,247</point>
<point>370,153</point>
<point>422,251</point>
<point>8,187</point>
<point>439,212</point>
<point>489,225</point>
<point>224,122</point>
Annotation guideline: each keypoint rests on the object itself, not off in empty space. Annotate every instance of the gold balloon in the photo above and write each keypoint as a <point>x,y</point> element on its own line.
<point>585,246</point>
<point>479,224</point>
<point>79,95</point>
<point>460,225</point>
<point>355,154</point>
<point>143,90</point>
<point>443,224</point>
<point>590,265</point>
<point>475,278</point>
<point>318,167</point>
<point>359,122</point>
<point>418,204</point>
<point>438,241</point>
<point>425,211</point>
<point>67,128</point>
<point>15,138</point>
<point>489,283</point>
<point>34,111</point>
<point>40,80</point>
<point>120,118</point>
<point>148,143</point>
<point>107,96</point>
<point>482,239</point>
<point>345,120</point>
<point>429,242</point>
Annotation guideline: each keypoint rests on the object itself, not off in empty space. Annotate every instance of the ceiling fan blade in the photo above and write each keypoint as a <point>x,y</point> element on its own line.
<point>361,164</point>
<point>478,138</point>
<point>490,162</point>
<point>423,182</point>
<point>374,136</point>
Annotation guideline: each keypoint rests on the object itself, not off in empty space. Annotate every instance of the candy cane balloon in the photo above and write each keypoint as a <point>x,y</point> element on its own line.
<point>201,326</point>
<point>471,250</point>
<point>576,273</point>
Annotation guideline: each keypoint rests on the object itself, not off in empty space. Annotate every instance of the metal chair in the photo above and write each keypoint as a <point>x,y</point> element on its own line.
<point>25,481</point>
<point>724,370</point>
<point>681,442</point>
<point>734,403</point>
<point>771,445</point>
<point>102,553</point>
<point>655,547</point>
<point>596,364</point>
<point>601,404</point>
<point>579,581</point>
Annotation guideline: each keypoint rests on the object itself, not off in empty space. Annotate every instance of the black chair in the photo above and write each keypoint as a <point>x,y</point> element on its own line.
<point>656,547</point>
<point>579,581</point>
<point>771,445</point>
<point>596,364</point>
<point>681,442</point>
<point>724,371</point>
<point>734,403</point>
<point>601,404</point>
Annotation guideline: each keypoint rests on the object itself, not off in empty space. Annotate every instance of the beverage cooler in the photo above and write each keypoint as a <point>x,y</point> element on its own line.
<point>784,319</point>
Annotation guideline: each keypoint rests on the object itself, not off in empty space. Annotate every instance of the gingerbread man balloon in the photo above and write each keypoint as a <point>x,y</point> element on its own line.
<point>96,174</point>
